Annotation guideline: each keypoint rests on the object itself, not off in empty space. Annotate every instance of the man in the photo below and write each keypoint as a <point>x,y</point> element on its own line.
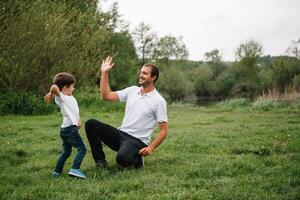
<point>145,107</point>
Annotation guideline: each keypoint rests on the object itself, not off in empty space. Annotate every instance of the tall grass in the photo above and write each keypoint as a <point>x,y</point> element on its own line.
<point>233,103</point>
<point>289,95</point>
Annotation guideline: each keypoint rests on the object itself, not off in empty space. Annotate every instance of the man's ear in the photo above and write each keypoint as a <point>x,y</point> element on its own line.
<point>154,77</point>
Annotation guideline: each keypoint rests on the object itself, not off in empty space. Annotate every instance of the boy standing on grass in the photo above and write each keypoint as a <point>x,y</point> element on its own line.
<point>61,90</point>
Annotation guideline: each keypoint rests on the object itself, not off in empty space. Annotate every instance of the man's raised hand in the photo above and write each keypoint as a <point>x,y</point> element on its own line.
<point>106,64</point>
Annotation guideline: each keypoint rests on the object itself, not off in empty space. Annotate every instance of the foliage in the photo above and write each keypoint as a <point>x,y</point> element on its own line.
<point>213,56</point>
<point>23,103</point>
<point>294,49</point>
<point>125,59</point>
<point>170,47</point>
<point>266,104</point>
<point>174,84</point>
<point>233,103</point>
<point>145,40</point>
<point>284,69</point>
<point>89,98</point>
<point>203,81</point>
<point>41,38</point>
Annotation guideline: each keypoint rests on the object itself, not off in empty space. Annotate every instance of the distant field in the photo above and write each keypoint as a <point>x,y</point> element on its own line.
<point>209,154</point>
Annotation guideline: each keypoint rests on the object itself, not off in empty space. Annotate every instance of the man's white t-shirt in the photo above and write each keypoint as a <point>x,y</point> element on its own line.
<point>142,112</point>
<point>69,109</point>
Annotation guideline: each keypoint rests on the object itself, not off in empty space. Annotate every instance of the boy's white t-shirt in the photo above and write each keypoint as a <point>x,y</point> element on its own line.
<point>69,109</point>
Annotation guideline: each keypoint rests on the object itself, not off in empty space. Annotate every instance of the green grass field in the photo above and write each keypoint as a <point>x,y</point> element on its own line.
<point>209,153</point>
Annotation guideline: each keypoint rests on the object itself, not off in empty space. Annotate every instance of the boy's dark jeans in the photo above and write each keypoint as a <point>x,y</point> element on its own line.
<point>127,146</point>
<point>70,138</point>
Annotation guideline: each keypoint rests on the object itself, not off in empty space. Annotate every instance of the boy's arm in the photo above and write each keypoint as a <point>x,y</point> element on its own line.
<point>79,122</point>
<point>54,90</point>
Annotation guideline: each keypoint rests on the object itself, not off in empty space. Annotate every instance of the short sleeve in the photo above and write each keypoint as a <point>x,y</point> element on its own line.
<point>161,111</point>
<point>58,99</point>
<point>123,94</point>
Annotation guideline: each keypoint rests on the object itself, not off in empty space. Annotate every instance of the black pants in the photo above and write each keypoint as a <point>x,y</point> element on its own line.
<point>127,146</point>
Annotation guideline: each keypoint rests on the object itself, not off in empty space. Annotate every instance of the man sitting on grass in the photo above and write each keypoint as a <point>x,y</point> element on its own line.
<point>145,107</point>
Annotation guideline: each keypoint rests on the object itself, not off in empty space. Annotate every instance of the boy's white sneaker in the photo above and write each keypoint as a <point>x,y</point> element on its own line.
<point>55,174</point>
<point>76,173</point>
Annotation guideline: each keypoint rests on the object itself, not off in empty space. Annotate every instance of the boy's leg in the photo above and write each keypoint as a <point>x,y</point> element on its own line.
<point>98,132</point>
<point>67,149</point>
<point>81,149</point>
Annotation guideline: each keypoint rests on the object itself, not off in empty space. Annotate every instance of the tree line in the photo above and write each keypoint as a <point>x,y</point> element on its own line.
<point>40,38</point>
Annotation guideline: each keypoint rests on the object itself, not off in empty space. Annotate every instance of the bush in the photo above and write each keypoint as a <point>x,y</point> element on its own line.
<point>23,103</point>
<point>267,104</point>
<point>89,98</point>
<point>233,103</point>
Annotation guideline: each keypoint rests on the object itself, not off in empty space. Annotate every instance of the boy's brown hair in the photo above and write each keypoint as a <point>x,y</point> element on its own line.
<point>63,79</point>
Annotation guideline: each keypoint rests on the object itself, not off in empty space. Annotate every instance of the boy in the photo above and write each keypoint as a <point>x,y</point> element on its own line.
<point>62,90</point>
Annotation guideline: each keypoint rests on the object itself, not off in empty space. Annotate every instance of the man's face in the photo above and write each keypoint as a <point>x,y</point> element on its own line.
<point>145,76</point>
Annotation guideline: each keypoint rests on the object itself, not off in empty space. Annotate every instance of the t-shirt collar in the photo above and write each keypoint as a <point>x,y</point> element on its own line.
<point>147,94</point>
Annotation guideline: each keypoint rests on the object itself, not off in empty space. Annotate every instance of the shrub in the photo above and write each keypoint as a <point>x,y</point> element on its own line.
<point>266,104</point>
<point>89,98</point>
<point>24,104</point>
<point>233,103</point>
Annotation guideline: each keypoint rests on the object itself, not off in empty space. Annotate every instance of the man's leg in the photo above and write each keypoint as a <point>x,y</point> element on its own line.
<point>128,154</point>
<point>98,132</point>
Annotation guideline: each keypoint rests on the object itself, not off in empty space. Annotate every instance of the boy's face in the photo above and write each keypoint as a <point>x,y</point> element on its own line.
<point>68,90</point>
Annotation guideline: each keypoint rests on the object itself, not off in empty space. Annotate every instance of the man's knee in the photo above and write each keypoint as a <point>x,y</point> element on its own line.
<point>91,125</point>
<point>123,160</point>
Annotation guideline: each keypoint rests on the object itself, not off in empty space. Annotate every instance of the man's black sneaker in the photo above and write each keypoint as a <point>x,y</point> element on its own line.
<point>101,163</point>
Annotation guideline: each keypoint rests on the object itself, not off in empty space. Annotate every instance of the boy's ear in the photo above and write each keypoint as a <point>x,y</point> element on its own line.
<point>65,87</point>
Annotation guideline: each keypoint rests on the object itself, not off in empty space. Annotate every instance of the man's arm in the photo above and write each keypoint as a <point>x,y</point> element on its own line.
<point>106,93</point>
<point>54,90</point>
<point>163,126</point>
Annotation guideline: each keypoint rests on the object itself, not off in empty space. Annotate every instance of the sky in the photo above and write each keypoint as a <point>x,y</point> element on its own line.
<point>218,24</point>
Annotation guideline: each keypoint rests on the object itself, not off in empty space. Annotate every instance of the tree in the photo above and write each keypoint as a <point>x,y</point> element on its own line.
<point>170,47</point>
<point>41,38</point>
<point>294,49</point>
<point>249,51</point>
<point>145,41</point>
<point>284,70</point>
<point>213,56</point>
<point>174,83</point>
<point>248,54</point>
<point>214,60</point>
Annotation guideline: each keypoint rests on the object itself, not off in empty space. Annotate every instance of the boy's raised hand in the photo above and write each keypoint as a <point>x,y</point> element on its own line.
<point>106,64</point>
<point>48,97</point>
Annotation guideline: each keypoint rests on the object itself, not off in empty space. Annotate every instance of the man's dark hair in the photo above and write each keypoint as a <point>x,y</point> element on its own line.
<point>63,79</point>
<point>154,71</point>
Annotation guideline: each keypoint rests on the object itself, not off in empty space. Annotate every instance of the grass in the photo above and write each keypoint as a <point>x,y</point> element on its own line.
<point>210,153</point>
